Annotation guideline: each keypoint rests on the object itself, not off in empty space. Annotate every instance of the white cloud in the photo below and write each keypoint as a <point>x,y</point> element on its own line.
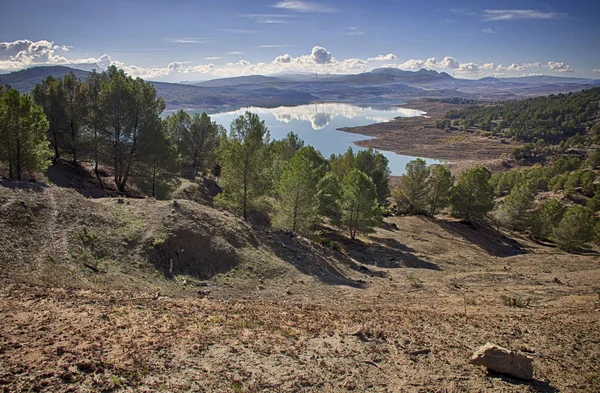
<point>559,66</point>
<point>468,68</point>
<point>186,40</point>
<point>495,15</point>
<point>303,6</point>
<point>238,31</point>
<point>430,64</point>
<point>388,57</point>
<point>354,31</point>
<point>24,53</point>
<point>269,18</point>
<point>488,30</point>
<point>283,59</point>
<point>596,70</point>
<point>320,55</point>
<point>234,53</point>
<point>275,46</point>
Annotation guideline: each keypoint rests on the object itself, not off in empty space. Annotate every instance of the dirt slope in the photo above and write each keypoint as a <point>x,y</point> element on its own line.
<point>283,313</point>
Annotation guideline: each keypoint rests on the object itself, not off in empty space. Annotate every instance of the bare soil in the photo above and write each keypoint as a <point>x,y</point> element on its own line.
<point>419,137</point>
<point>398,311</point>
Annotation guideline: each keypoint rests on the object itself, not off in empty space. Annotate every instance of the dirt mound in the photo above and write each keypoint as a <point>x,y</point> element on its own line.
<point>203,191</point>
<point>199,241</point>
<point>54,236</point>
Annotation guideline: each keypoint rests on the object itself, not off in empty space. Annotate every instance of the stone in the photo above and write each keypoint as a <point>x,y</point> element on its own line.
<point>503,361</point>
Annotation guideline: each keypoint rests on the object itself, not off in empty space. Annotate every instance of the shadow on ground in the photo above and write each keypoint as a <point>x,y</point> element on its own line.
<point>83,180</point>
<point>483,236</point>
<point>533,385</point>
<point>22,185</point>
<point>315,260</point>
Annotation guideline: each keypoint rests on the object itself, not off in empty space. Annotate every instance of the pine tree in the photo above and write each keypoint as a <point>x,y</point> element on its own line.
<point>518,205</point>
<point>329,196</point>
<point>159,162</point>
<point>413,191</point>
<point>576,229</point>
<point>546,216</point>
<point>199,142</point>
<point>439,188</point>
<point>359,206</point>
<point>473,195</point>
<point>23,142</point>
<point>297,191</point>
<point>245,161</point>
<point>375,165</point>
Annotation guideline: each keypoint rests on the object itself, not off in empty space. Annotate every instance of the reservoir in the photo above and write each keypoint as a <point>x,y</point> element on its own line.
<point>317,125</point>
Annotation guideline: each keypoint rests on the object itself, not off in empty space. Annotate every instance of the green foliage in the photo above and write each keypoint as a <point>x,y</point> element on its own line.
<point>375,165</point>
<point>159,163</point>
<point>541,177</point>
<point>245,160</point>
<point>23,142</point>
<point>359,206</point>
<point>297,191</point>
<point>439,185</point>
<point>200,142</point>
<point>546,216</point>
<point>370,162</point>
<point>284,149</point>
<point>576,228</point>
<point>518,205</point>
<point>328,197</point>
<point>473,195</point>
<point>131,113</point>
<point>412,194</point>
<point>553,118</point>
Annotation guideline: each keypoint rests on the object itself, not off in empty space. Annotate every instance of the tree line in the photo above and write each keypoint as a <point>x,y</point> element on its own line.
<point>509,199</point>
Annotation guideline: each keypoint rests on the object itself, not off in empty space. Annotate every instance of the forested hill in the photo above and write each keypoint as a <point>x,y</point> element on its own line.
<point>542,120</point>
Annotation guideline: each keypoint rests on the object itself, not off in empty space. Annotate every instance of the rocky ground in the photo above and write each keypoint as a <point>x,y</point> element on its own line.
<point>90,302</point>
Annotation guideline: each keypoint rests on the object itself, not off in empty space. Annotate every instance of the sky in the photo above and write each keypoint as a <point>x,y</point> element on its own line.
<point>186,40</point>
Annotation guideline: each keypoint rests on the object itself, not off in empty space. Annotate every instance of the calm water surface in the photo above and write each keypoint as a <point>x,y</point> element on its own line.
<point>317,125</point>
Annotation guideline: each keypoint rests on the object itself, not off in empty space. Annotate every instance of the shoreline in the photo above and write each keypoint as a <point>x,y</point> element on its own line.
<point>419,137</point>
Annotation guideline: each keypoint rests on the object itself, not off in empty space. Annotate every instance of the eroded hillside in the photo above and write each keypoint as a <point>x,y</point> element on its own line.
<point>92,302</point>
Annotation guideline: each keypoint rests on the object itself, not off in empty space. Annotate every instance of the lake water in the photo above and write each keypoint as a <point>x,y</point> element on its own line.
<point>317,125</point>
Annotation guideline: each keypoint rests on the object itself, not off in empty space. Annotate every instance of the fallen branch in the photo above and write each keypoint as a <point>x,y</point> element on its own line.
<point>372,363</point>
<point>423,351</point>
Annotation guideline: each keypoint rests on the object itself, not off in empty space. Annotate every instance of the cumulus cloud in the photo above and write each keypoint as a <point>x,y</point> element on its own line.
<point>388,57</point>
<point>596,70</point>
<point>495,15</point>
<point>430,64</point>
<point>320,55</point>
<point>559,66</point>
<point>24,53</point>
<point>283,59</point>
<point>303,6</point>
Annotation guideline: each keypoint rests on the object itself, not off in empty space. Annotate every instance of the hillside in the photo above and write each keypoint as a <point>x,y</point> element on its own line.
<point>380,86</point>
<point>113,286</point>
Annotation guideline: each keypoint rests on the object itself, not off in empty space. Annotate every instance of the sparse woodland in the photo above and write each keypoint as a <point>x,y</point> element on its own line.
<point>114,122</point>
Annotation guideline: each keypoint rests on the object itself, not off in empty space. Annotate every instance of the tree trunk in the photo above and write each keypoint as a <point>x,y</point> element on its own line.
<point>154,181</point>
<point>18,159</point>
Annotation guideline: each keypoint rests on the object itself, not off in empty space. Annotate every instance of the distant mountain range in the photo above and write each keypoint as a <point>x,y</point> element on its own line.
<point>384,86</point>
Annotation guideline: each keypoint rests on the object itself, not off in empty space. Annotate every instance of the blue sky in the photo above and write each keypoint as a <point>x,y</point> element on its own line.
<point>194,40</point>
